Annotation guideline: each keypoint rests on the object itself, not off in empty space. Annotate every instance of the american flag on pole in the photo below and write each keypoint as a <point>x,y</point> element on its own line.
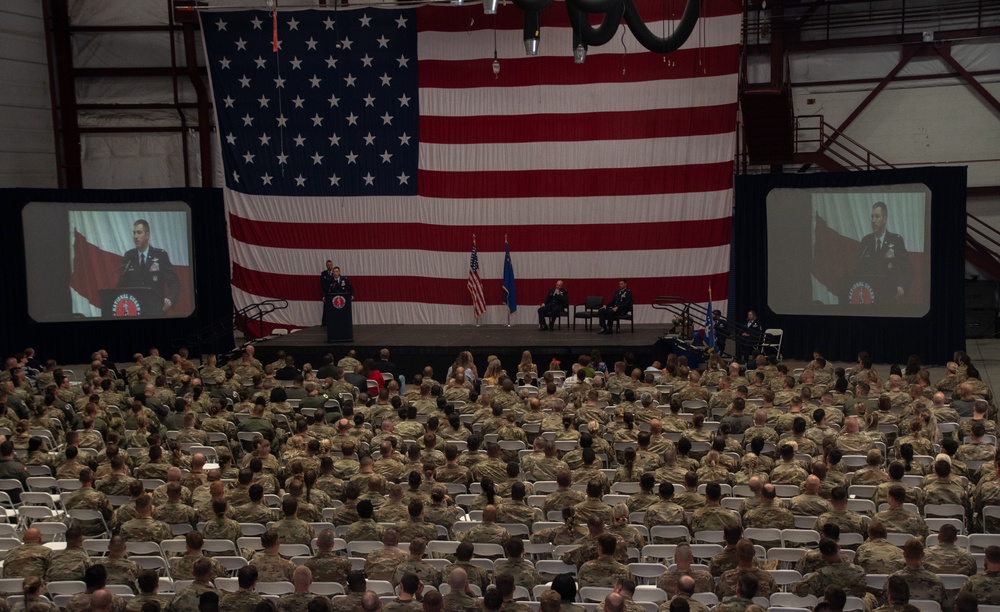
<point>380,139</point>
<point>475,284</point>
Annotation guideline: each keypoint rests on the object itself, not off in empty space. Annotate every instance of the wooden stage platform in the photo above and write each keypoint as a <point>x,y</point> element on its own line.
<point>413,346</point>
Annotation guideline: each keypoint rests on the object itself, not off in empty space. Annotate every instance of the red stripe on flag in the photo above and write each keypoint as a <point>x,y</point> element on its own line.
<point>529,71</point>
<point>629,125</point>
<point>93,269</point>
<point>576,183</point>
<point>455,291</point>
<point>447,238</point>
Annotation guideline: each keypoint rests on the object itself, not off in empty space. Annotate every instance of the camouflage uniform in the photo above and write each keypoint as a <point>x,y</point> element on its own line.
<point>477,575</point>
<point>329,567</point>
<point>115,484</point>
<point>222,529</point>
<point>879,557</point>
<point>641,501</point>
<point>849,522</point>
<point>810,562</point>
<point>559,536</point>
<point>985,587</point>
<point>557,500</point>
<point>587,551</point>
<point>391,512</point>
<point>516,512</point>
<point>733,603</point>
<point>81,603</point>
<point>693,604</point>
<point>89,499</point>
<point>458,602</point>
<point>808,504</point>
<point>381,563</point>
<point>424,570</point>
<point>897,520</point>
<point>272,568</point>
<point>765,583</point>
<point>294,531</point>
<point>949,559</point>
<point>120,570</point>
<point>713,518</point>
<point>294,602</point>
<point>945,491</point>
<point>252,513</point>
<point>27,560</point>
<point>365,529</point>
<point>68,564</point>
<point>914,495</point>
<point>146,530</point>
<point>924,584</point>
<point>135,604</point>
<point>689,500</point>
<point>769,516</point>
<point>182,568</point>
<point>486,533</point>
<point>593,507</point>
<point>396,605</point>
<point>176,514</point>
<point>703,581</point>
<point>849,577</point>
<point>523,571</point>
<point>602,572</point>
<point>240,601</point>
<point>546,468</point>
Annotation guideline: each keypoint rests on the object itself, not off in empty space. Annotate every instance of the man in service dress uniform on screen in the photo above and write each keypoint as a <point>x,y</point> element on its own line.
<point>146,266</point>
<point>884,253</point>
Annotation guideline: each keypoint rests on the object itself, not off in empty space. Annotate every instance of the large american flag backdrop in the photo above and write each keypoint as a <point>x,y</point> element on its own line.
<point>380,138</point>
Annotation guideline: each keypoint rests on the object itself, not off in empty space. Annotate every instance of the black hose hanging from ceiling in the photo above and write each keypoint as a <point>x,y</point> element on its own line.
<point>603,33</point>
<point>532,5</point>
<point>655,43</point>
<point>593,6</point>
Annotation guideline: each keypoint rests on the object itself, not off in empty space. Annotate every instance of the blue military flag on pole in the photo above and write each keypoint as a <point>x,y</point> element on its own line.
<point>709,324</point>
<point>509,289</point>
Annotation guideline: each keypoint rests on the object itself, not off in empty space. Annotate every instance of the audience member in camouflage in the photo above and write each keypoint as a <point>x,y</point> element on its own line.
<point>381,563</point>
<point>326,565</point>
<point>244,598</point>
<point>271,566</point>
<point>898,520</point>
<point>119,570</point>
<point>149,584</point>
<point>985,587</point>
<point>878,555</point>
<point>923,583</point>
<point>837,572</point>
<point>71,563</point>
<point>524,572</point>
<point>745,554</point>
<point>463,559</point>
<point>460,598</point>
<point>187,599</point>
<point>670,580</point>
<point>86,498</point>
<point>143,528</point>
<point>28,559</point>
<point>182,568</point>
<point>948,558</point>
<point>605,570</point>
<point>415,564</point>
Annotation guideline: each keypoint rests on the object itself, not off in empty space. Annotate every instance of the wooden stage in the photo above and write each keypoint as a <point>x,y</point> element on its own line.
<point>413,346</point>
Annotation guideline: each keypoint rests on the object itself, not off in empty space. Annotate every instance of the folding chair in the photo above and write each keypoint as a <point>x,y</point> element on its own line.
<point>89,515</point>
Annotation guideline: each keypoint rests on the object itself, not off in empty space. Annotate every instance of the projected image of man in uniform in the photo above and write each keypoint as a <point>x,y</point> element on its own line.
<point>883,253</point>
<point>147,266</point>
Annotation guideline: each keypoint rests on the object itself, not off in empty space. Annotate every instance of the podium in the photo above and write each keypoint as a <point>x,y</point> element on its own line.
<point>131,302</point>
<point>871,289</point>
<point>339,318</point>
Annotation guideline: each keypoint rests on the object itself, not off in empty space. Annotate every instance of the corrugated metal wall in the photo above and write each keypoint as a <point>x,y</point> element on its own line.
<point>27,157</point>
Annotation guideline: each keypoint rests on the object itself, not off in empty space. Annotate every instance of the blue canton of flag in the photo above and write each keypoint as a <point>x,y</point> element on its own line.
<point>330,113</point>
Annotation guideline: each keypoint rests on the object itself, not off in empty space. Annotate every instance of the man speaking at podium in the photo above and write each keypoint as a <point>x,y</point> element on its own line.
<point>884,254</point>
<point>146,266</point>
<point>331,282</point>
